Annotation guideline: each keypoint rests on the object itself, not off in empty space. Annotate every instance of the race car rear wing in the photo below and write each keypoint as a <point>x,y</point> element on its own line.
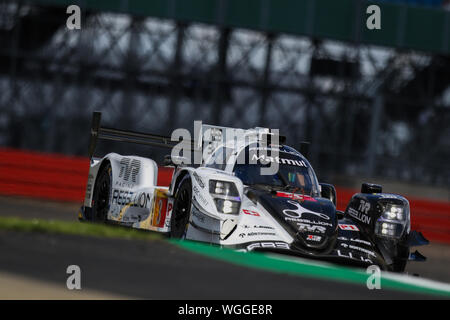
<point>105,133</point>
<point>209,136</point>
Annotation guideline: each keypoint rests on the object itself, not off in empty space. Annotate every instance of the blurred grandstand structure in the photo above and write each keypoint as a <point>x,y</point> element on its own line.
<point>372,103</point>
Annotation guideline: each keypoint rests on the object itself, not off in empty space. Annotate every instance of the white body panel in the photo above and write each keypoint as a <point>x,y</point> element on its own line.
<point>137,201</point>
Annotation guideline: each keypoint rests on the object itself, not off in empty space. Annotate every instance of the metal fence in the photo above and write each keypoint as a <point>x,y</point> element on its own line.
<point>367,110</point>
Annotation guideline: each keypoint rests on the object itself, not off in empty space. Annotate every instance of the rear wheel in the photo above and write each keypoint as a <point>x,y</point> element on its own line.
<point>102,192</point>
<point>181,209</point>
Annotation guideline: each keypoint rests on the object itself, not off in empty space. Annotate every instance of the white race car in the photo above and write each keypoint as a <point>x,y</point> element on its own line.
<point>226,200</point>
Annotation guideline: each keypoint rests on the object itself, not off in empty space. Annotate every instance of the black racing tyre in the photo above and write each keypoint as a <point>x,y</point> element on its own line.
<point>102,194</point>
<point>399,266</point>
<point>181,209</point>
<point>401,260</point>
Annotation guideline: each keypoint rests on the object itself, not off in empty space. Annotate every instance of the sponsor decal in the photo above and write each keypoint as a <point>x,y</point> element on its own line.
<point>359,216</point>
<point>312,237</point>
<point>250,212</point>
<point>350,255</point>
<point>198,215</point>
<point>350,246</point>
<point>275,245</point>
<point>129,168</point>
<point>304,227</point>
<point>295,196</point>
<point>199,197</point>
<point>364,206</point>
<point>299,210</point>
<point>122,184</point>
<point>169,212</point>
<point>348,227</point>
<point>368,252</point>
<point>160,209</point>
<point>367,243</point>
<point>253,234</point>
<point>125,197</point>
<point>89,186</point>
<point>245,226</point>
<point>266,159</point>
<point>321,223</point>
<point>199,180</point>
<point>263,227</point>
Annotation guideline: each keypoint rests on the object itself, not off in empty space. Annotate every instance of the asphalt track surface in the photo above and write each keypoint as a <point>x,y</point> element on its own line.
<point>118,268</point>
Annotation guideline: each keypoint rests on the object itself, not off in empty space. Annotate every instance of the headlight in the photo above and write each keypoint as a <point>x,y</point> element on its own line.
<point>393,220</point>
<point>227,206</point>
<point>224,188</point>
<point>393,212</point>
<point>226,196</point>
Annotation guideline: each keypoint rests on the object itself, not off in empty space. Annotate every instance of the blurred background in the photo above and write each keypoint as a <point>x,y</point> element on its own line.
<point>373,103</point>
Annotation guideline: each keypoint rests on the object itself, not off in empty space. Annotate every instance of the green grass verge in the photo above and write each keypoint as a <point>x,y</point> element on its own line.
<point>74,228</point>
<point>304,268</point>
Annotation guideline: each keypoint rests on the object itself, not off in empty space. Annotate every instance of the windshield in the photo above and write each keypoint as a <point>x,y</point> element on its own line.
<point>290,176</point>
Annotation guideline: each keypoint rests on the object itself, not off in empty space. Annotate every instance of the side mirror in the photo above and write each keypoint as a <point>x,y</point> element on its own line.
<point>329,192</point>
<point>174,161</point>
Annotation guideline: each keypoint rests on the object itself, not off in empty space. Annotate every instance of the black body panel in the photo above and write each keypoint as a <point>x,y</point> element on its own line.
<point>319,234</point>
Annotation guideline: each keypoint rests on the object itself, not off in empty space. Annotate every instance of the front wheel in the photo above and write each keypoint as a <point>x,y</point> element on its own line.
<point>181,209</point>
<point>401,260</point>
